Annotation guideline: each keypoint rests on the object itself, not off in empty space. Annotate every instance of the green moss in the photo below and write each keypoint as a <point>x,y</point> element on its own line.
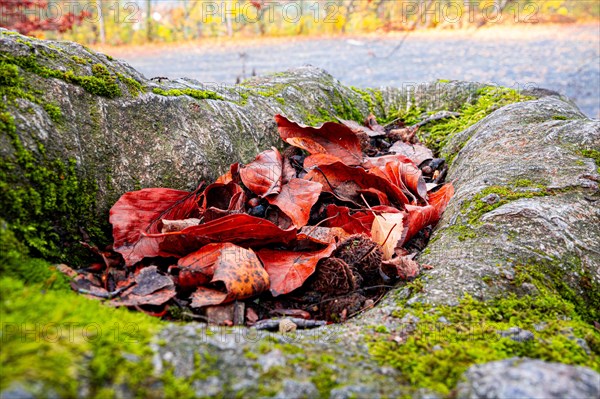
<point>197,94</point>
<point>9,75</point>
<point>473,209</point>
<point>559,117</point>
<point>135,88</point>
<point>80,61</point>
<point>436,354</point>
<point>101,83</point>
<point>57,338</point>
<point>45,201</point>
<point>594,154</point>
<point>438,133</point>
<point>53,112</point>
<point>366,96</point>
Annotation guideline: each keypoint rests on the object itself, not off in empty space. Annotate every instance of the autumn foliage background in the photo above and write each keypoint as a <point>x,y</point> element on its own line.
<point>138,22</point>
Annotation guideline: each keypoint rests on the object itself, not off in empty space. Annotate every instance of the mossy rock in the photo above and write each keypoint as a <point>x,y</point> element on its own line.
<point>517,246</point>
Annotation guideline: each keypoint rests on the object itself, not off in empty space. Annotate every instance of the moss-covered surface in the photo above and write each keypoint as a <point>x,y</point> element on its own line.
<point>473,209</point>
<point>197,94</point>
<point>593,154</point>
<point>45,202</point>
<point>54,338</point>
<point>439,350</point>
<point>102,82</point>
<point>437,134</point>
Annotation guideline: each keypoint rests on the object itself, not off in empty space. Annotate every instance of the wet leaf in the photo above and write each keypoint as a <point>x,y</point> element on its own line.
<point>288,270</point>
<point>263,175</point>
<point>331,138</point>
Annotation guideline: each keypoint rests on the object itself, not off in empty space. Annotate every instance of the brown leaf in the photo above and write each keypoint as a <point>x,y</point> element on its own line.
<point>401,267</point>
<point>417,153</point>
<point>323,235</point>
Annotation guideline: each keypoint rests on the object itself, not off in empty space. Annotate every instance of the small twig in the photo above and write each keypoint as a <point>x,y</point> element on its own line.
<point>108,295</point>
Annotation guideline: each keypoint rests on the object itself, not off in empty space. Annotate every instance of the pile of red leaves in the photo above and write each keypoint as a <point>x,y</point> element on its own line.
<point>320,231</point>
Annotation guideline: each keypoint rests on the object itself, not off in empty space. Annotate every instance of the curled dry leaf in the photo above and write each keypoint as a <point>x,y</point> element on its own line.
<point>422,216</point>
<point>402,267</point>
<point>139,212</point>
<point>288,270</point>
<point>417,153</point>
<point>388,230</point>
<point>344,182</point>
<point>263,175</point>
<point>239,270</point>
<point>198,267</point>
<point>331,138</point>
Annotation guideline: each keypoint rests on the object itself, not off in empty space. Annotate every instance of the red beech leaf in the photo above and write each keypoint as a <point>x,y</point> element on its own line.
<point>198,267</point>
<point>296,199</point>
<point>323,235</point>
<point>241,273</point>
<point>319,159</point>
<point>263,175</point>
<point>331,138</point>
<point>241,229</point>
<point>139,212</point>
<point>404,174</point>
<point>421,216</point>
<point>344,182</point>
<point>339,216</point>
<point>288,270</point>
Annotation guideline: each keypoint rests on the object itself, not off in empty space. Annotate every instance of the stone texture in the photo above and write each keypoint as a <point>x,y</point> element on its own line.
<point>528,378</point>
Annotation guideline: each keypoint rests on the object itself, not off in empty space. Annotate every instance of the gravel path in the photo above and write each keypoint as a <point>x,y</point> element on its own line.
<point>562,58</point>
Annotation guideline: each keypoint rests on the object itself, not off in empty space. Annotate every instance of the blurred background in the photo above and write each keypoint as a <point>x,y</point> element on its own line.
<point>553,44</point>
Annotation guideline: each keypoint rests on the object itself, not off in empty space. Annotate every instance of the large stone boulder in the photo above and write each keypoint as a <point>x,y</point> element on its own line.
<point>516,257</point>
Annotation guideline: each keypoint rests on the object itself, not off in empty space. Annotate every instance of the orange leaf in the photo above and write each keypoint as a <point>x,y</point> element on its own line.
<point>241,273</point>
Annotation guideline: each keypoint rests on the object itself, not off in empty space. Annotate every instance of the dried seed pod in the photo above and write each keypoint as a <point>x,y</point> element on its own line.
<point>334,277</point>
<point>346,305</point>
<point>361,254</point>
